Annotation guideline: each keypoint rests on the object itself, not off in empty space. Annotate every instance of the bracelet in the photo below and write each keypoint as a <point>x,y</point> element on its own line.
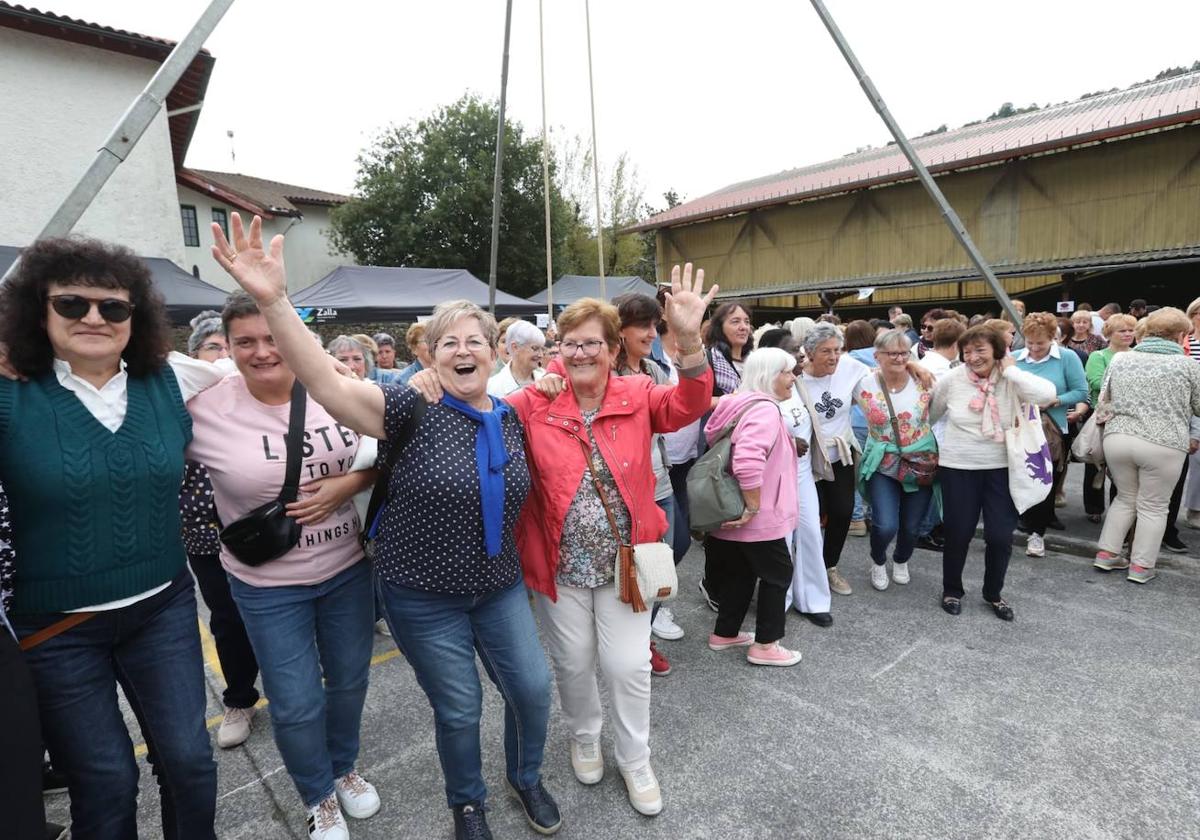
<point>690,351</point>
<point>751,511</point>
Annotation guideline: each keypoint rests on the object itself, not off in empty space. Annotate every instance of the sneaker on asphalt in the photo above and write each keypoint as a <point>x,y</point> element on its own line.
<point>1035,547</point>
<point>858,528</point>
<point>837,583</point>
<point>1106,561</point>
<point>900,573</point>
<point>235,727</point>
<point>664,625</point>
<point>644,793</point>
<point>382,629</point>
<point>659,666</point>
<point>716,642</point>
<point>930,543</point>
<point>325,821</point>
<point>587,761</point>
<point>541,811</point>
<point>1140,574</point>
<point>470,823</point>
<point>1175,545</point>
<point>772,654</point>
<point>879,576</point>
<point>357,796</point>
<point>708,599</point>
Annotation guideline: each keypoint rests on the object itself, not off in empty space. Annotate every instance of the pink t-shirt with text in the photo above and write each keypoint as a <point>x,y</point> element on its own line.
<point>241,441</point>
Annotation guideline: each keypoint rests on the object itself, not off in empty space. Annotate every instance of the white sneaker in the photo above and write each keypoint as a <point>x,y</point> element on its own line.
<point>1035,547</point>
<point>879,576</point>
<point>644,793</point>
<point>235,727</point>
<point>382,628</point>
<point>356,795</point>
<point>664,625</point>
<point>325,821</point>
<point>587,761</point>
<point>900,573</point>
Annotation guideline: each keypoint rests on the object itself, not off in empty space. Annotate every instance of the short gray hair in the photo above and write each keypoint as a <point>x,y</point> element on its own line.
<point>762,366</point>
<point>345,342</point>
<point>447,313</point>
<point>383,340</point>
<point>821,332</point>
<point>204,325</point>
<point>889,338</point>
<point>523,333</point>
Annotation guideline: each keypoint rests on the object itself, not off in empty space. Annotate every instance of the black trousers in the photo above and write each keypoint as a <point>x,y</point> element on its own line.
<point>1093,497</point>
<point>1172,531</point>
<point>225,623</point>
<point>767,564</point>
<point>837,506</point>
<point>20,746</point>
<point>965,495</point>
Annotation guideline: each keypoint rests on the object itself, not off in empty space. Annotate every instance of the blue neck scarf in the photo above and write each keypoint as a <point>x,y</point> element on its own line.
<point>491,457</point>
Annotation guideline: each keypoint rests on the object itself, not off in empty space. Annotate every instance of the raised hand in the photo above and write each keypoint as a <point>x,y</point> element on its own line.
<point>685,307</point>
<point>259,271</point>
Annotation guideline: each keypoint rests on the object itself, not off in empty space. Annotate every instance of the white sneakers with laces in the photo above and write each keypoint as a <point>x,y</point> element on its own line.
<point>325,821</point>
<point>644,793</point>
<point>900,573</point>
<point>664,625</point>
<point>357,796</point>
<point>587,761</point>
<point>879,576</point>
<point>235,727</point>
<point>1035,546</point>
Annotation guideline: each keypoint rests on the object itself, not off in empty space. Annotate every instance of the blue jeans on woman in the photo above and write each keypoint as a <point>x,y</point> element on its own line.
<point>895,515</point>
<point>152,649</point>
<point>440,634</point>
<point>300,635</point>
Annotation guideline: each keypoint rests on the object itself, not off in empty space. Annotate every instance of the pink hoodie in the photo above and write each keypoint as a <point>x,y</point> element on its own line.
<point>763,456</point>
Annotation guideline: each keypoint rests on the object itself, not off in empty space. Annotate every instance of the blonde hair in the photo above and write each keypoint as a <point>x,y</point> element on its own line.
<point>1167,323</point>
<point>414,336</point>
<point>446,314</point>
<point>1193,308</point>
<point>585,309</point>
<point>1040,322</point>
<point>1118,322</point>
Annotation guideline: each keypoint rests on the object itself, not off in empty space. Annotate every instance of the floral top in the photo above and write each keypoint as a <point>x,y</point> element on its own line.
<point>912,413</point>
<point>1087,346</point>
<point>588,552</point>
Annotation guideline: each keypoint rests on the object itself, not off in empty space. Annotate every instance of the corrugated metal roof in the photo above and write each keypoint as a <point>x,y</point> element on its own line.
<point>1144,107</point>
<point>259,194</point>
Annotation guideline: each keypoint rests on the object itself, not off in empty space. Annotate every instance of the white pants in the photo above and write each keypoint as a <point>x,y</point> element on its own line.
<point>810,581</point>
<point>1145,474</point>
<point>586,625</point>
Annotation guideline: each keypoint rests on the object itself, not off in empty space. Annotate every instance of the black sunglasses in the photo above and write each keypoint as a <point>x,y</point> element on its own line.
<point>113,310</point>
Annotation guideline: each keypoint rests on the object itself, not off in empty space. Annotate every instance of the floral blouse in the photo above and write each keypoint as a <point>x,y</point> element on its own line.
<point>912,415</point>
<point>587,553</point>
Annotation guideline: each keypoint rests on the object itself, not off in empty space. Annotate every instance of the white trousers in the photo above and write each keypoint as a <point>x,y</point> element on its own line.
<point>810,581</point>
<point>586,626</point>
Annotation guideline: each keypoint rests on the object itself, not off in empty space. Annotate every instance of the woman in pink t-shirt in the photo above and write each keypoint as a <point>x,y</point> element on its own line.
<point>319,591</point>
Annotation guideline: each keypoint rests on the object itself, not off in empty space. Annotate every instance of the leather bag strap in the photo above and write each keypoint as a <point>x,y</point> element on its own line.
<point>61,626</point>
<point>891,411</point>
<point>295,440</point>
<point>612,520</point>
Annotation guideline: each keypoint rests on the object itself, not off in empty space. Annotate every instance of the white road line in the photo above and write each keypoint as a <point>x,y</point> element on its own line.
<point>895,662</point>
<point>249,784</point>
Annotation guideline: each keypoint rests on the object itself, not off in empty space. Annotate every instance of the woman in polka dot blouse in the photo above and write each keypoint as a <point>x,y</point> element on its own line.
<point>446,565</point>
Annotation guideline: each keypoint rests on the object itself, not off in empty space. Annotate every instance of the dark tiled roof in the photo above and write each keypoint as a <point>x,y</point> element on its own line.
<point>257,194</point>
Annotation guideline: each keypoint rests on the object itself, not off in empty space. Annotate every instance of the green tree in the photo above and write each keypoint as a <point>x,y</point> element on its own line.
<point>423,197</point>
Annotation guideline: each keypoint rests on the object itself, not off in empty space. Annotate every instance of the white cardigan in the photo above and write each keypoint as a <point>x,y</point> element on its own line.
<point>963,446</point>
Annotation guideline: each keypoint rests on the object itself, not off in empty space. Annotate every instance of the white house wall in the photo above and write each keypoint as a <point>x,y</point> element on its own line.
<point>58,103</point>
<point>305,244</point>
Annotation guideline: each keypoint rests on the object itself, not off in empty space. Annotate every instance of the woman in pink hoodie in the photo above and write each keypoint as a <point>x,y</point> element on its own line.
<point>753,549</point>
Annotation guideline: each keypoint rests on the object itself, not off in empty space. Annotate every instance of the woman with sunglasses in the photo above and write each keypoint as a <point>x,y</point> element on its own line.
<point>91,454</point>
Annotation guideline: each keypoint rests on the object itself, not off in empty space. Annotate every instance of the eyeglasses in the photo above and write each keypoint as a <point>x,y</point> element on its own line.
<point>212,347</point>
<point>451,345</point>
<point>895,355</point>
<point>590,348</point>
<point>925,327</point>
<point>113,310</point>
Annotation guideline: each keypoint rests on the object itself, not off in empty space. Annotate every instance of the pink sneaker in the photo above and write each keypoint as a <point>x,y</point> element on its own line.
<point>772,654</point>
<point>716,642</point>
<point>1106,561</point>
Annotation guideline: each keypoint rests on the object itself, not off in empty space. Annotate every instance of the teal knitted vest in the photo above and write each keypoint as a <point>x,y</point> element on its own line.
<point>95,514</point>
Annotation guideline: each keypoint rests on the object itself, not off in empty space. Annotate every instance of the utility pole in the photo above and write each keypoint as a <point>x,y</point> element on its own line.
<point>496,192</point>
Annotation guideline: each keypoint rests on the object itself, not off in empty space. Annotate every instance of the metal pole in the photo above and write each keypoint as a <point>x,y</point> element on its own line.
<point>496,194</point>
<point>587,13</point>
<point>948,215</point>
<point>130,127</point>
<point>546,166</point>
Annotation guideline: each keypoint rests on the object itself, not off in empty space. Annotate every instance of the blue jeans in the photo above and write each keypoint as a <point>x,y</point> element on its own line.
<point>439,635</point>
<point>965,495</point>
<point>895,515</point>
<point>301,634</point>
<point>681,535</point>
<point>152,649</point>
<point>860,509</point>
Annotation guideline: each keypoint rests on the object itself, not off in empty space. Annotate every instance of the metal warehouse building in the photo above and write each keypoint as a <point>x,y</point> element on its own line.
<point>1098,198</point>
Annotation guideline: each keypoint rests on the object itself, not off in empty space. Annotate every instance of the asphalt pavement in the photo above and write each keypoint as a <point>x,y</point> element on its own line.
<point>1080,719</point>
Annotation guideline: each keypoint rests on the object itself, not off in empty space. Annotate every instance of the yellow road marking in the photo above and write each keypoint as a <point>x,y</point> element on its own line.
<point>210,658</point>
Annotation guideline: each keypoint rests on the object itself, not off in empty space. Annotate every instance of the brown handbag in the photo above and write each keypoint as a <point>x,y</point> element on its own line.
<point>921,465</point>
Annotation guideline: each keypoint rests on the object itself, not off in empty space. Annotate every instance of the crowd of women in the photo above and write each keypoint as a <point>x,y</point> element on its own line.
<point>477,503</point>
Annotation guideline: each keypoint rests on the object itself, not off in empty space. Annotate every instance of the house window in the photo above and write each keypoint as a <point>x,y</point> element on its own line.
<point>221,218</point>
<point>191,230</point>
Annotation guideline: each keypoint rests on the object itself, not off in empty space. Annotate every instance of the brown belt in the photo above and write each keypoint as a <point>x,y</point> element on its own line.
<point>61,626</point>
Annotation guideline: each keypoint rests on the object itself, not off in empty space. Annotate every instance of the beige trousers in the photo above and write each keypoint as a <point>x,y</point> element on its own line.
<point>586,626</point>
<point>1145,474</point>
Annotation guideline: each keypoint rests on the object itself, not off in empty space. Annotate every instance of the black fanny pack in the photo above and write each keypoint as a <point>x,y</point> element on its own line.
<point>267,532</point>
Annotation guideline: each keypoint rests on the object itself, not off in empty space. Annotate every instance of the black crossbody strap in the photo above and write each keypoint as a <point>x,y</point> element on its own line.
<point>385,464</point>
<point>295,441</point>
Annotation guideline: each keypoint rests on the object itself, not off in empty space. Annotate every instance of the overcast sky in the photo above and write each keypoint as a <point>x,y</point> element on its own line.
<point>700,94</point>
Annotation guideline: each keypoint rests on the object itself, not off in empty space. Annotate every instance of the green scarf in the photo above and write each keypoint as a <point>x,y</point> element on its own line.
<point>1159,345</point>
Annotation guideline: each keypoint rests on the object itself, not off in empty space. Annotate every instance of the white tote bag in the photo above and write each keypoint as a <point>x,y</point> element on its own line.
<point>1030,468</point>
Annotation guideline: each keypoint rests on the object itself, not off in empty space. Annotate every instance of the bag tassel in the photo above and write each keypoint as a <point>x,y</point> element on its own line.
<point>630,593</point>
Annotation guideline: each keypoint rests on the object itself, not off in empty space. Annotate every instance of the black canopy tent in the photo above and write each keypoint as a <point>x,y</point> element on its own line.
<point>571,287</point>
<point>360,294</point>
<point>186,296</point>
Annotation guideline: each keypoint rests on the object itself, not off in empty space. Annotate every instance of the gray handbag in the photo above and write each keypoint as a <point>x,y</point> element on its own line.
<point>714,496</point>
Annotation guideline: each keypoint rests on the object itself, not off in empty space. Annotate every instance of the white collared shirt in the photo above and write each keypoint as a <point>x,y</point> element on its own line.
<point>503,382</point>
<point>1023,355</point>
<point>109,403</point>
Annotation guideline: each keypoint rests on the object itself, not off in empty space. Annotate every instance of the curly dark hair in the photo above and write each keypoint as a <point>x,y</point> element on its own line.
<point>715,337</point>
<point>82,262</point>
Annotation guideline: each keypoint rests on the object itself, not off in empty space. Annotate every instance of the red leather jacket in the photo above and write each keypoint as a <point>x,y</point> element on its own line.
<point>632,408</point>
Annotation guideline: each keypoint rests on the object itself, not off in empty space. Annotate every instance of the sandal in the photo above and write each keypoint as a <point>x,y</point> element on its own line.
<point>951,604</point>
<point>1001,608</point>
